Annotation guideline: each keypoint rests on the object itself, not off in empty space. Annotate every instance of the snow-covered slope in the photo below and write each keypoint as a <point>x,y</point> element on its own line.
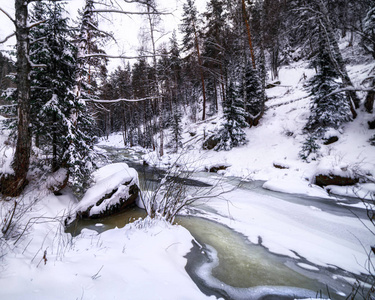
<point>278,139</point>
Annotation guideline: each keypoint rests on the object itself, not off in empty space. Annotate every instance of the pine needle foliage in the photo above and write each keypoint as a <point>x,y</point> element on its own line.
<point>232,134</point>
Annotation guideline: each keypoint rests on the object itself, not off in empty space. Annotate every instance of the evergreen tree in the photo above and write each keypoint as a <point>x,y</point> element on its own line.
<point>328,110</point>
<point>368,37</point>
<point>319,27</point>
<point>91,61</point>
<point>368,42</point>
<point>214,50</point>
<point>191,45</point>
<point>232,134</point>
<point>176,130</point>
<point>61,124</point>
<point>254,95</point>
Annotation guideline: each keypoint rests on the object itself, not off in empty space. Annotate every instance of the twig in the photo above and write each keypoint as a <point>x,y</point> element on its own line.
<point>96,276</point>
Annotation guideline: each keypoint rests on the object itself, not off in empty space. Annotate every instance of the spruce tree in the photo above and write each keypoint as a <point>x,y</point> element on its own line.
<point>253,94</point>
<point>328,110</point>
<point>176,130</point>
<point>368,43</point>
<point>214,50</point>
<point>232,134</point>
<point>61,124</point>
<point>91,61</point>
<point>191,45</point>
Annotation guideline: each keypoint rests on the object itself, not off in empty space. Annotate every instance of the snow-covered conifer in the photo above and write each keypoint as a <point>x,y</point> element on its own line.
<point>61,124</point>
<point>176,130</point>
<point>232,134</point>
<point>253,94</point>
<point>328,109</point>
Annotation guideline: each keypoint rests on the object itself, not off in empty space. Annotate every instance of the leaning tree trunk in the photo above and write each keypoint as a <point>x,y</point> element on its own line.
<point>335,55</point>
<point>14,184</point>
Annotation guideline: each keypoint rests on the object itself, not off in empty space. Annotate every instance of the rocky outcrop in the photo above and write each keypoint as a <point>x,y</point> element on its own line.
<point>216,168</point>
<point>331,179</point>
<point>126,199</point>
<point>114,191</point>
<point>278,165</point>
<point>331,140</point>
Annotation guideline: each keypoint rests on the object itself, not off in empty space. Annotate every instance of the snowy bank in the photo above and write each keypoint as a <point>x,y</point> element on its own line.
<point>140,261</point>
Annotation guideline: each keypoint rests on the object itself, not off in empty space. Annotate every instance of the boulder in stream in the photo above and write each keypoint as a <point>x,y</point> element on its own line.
<point>115,189</point>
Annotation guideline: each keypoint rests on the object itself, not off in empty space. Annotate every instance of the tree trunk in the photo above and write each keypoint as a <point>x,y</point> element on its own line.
<point>201,73</point>
<point>335,55</point>
<point>248,34</point>
<point>370,97</point>
<point>157,83</point>
<point>13,185</point>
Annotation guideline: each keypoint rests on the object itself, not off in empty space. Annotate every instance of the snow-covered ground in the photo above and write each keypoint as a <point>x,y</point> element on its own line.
<point>277,141</point>
<point>145,260</point>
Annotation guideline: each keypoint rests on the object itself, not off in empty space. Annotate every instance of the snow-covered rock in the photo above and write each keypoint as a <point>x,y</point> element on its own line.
<point>334,171</point>
<point>115,189</point>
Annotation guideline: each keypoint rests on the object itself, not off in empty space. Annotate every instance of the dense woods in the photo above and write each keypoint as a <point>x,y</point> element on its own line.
<point>225,59</point>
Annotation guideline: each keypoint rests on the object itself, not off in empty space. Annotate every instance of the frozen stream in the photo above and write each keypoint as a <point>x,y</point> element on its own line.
<point>233,265</point>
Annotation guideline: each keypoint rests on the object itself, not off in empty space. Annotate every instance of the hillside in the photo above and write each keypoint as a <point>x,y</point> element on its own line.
<point>272,151</point>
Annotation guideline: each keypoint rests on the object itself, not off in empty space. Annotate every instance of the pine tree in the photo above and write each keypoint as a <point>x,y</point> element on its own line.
<point>91,60</point>
<point>60,123</point>
<point>214,50</point>
<point>232,134</point>
<point>189,28</point>
<point>328,110</point>
<point>254,95</point>
<point>318,26</point>
<point>368,42</point>
<point>176,130</point>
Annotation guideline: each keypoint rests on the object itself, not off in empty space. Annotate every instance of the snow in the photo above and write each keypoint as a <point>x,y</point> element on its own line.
<point>364,191</point>
<point>6,154</point>
<point>295,186</point>
<point>144,260</point>
<point>323,239</point>
<point>107,179</point>
<point>308,267</point>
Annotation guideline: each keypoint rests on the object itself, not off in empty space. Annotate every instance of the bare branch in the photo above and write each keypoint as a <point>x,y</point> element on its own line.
<point>349,89</point>
<point>118,56</point>
<point>7,38</point>
<point>36,24</point>
<point>129,12</point>
<point>119,100</point>
<point>8,15</point>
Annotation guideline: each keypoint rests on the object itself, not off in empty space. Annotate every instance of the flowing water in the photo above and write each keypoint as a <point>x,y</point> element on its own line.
<point>223,262</point>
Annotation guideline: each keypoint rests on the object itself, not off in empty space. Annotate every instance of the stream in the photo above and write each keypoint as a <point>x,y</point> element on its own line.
<point>225,263</point>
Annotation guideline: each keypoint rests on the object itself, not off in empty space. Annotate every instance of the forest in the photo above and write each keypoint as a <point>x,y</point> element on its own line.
<point>267,104</point>
<point>226,56</point>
